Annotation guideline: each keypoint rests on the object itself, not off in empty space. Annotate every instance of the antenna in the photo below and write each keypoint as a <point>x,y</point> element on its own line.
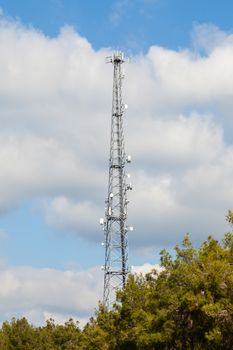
<point>115,223</point>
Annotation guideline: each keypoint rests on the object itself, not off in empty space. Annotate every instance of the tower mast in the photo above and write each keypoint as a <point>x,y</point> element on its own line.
<point>115,222</point>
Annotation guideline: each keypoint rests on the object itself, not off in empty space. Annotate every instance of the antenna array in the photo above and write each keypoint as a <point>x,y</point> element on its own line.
<point>115,222</point>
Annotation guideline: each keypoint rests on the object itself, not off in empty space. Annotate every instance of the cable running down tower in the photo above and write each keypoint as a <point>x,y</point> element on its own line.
<point>115,222</point>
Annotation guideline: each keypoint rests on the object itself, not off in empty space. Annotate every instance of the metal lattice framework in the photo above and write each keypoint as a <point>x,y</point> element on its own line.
<point>115,222</point>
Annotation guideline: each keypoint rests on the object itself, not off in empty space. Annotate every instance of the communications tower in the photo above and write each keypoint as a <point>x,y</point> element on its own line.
<point>115,221</point>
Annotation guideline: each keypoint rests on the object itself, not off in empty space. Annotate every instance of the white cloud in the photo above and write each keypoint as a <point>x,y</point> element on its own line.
<point>81,217</point>
<point>40,293</point>
<point>146,268</point>
<point>180,142</point>
<point>208,36</point>
<point>55,105</point>
<point>43,293</point>
<point>35,166</point>
<point>175,82</point>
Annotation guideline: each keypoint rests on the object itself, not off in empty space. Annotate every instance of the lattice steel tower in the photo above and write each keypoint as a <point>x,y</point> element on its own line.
<point>115,222</point>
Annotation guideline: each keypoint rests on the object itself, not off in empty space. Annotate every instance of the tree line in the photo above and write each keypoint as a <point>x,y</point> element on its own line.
<point>186,306</point>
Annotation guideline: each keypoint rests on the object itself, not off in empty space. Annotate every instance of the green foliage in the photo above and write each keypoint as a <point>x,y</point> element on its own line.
<point>187,306</point>
<point>20,335</point>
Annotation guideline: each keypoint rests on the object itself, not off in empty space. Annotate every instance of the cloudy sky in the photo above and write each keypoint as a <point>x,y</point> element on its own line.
<point>55,106</point>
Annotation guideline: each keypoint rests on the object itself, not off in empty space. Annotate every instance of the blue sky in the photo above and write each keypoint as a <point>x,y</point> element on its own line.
<point>55,95</point>
<point>131,25</point>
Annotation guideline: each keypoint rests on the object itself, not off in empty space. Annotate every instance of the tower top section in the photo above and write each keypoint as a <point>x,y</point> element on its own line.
<point>117,57</point>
